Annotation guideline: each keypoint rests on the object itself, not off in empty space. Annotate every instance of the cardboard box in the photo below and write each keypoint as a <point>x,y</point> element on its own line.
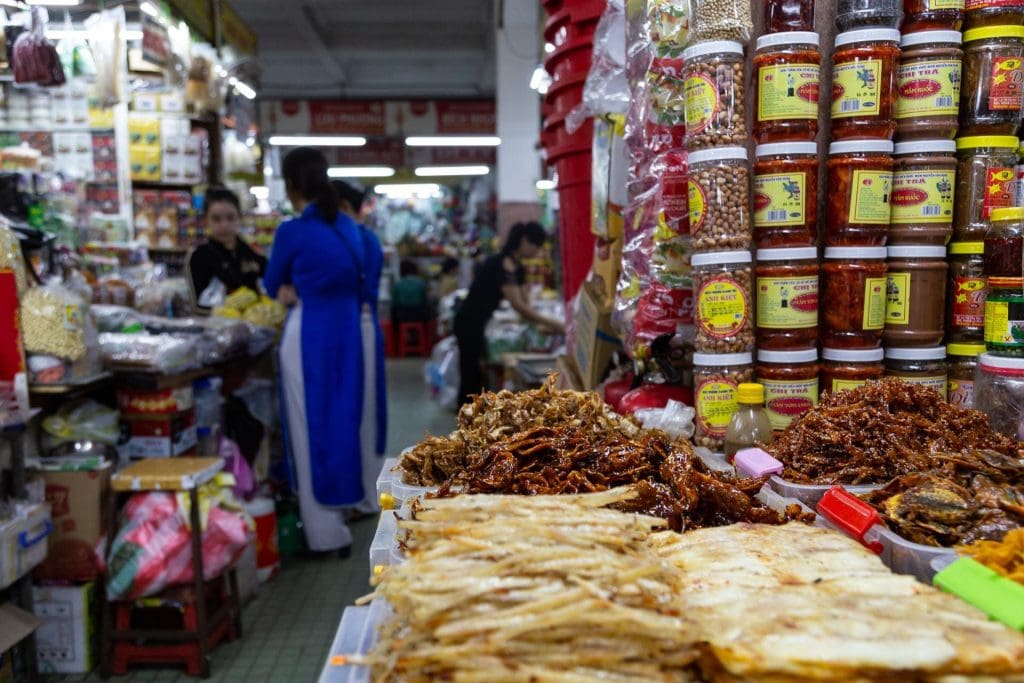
<point>76,508</point>
<point>66,642</point>
<point>160,436</point>
<point>595,340</point>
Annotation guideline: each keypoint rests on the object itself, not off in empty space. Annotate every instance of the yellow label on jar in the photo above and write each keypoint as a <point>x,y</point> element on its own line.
<point>722,307</point>
<point>701,98</point>
<point>897,299</point>
<point>787,400</point>
<point>922,197</point>
<point>847,384</point>
<point>716,403</point>
<point>787,302</point>
<point>930,88</point>
<point>937,382</point>
<point>788,91</point>
<point>998,326</point>
<point>857,88</point>
<point>874,303</point>
<point>869,197</point>
<point>943,4</point>
<point>780,199</point>
<point>698,206</point>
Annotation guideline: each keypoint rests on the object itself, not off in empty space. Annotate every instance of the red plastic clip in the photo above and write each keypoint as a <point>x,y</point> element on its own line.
<point>852,515</point>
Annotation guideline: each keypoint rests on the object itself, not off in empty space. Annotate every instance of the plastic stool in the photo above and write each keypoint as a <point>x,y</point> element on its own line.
<point>413,339</point>
<point>388,332</point>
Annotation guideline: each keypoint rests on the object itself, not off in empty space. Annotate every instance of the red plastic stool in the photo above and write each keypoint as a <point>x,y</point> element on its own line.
<point>389,338</point>
<point>413,339</point>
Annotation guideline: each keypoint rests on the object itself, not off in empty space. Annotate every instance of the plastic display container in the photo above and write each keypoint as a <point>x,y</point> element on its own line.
<point>921,205</point>
<point>985,179</point>
<point>788,74</point>
<point>719,197</point>
<point>853,283</point>
<point>864,81</point>
<point>932,15</point>
<point>861,14</point>
<point>965,296</point>
<point>790,381</point>
<point>715,378</point>
<point>860,176</point>
<point>723,309</point>
<point>928,85</point>
<point>1004,243</point>
<point>787,285</point>
<point>962,366</point>
<point>983,13</point>
<point>999,393</point>
<point>845,369</point>
<point>356,635</point>
<point>1004,317</point>
<point>786,195</point>
<point>755,462</point>
<point>715,92</point>
<point>915,306</point>
<point>992,89</point>
<point>788,16</point>
<point>383,541</point>
<point>926,367</point>
<point>392,492</point>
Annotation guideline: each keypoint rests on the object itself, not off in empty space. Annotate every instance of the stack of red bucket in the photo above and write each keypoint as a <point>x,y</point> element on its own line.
<point>570,28</point>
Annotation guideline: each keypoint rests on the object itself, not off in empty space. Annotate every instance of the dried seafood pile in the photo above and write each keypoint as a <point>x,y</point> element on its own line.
<point>1005,557</point>
<point>879,431</point>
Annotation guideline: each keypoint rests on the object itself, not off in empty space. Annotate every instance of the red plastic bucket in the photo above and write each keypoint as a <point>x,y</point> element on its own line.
<point>572,165</point>
<point>573,56</point>
<point>581,11</point>
<point>551,6</point>
<point>556,28</point>
<point>268,557</point>
<point>566,93</point>
<point>577,241</point>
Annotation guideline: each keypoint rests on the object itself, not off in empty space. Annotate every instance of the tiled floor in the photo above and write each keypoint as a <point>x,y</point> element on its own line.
<point>290,624</point>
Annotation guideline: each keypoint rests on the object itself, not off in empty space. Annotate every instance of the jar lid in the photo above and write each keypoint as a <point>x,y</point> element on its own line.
<point>777,148</point>
<point>750,393</point>
<point>866,35</point>
<point>975,141</point>
<point>1006,282</point>
<point>964,349</point>
<point>925,146</point>
<point>855,252</point>
<point>788,38</point>
<point>957,248</point>
<point>916,251</point>
<point>927,37</point>
<point>800,356</point>
<point>853,355</point>
<point>713,359</point>
<point>712,47</point>
<point>930,353</point>
<point>716,257</point>
<point>1005,31</point>
<point>1001,362</point>
<point>855,146</point>
<point>1007,213</point>
<point>718,154</point>
<point>787,253</point>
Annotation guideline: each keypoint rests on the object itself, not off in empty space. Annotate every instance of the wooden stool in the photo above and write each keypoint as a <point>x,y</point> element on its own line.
<point>413,339</point>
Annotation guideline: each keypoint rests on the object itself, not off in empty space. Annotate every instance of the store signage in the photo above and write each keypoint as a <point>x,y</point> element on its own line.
<point>380,117</point>
<point>361,117</point>
<point>466,116</point>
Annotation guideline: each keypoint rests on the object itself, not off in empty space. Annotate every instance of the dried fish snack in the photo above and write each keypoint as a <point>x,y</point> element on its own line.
<point>1005,556</point>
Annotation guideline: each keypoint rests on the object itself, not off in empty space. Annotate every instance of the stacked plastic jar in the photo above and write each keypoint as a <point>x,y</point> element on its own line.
<point>864,83</point>
<point>921,205</point>
<point>915,301</point>
<point>787,81</point>
<point>928,85</point>
<point>786,195</point>
<point>860,175</point>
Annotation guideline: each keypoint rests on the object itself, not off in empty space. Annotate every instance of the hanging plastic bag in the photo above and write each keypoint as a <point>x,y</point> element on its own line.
<point>88,421</point>
<point>35,58</point>
<point>675,419</point>
<point>606,90</point>
<point>107,41</point>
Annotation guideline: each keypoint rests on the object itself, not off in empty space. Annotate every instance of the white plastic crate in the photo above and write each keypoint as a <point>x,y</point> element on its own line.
<point>23,542</point>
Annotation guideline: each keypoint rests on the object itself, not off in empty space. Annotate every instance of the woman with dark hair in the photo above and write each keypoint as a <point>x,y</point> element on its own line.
<point>410,300</point>
<point>500,277</point>
<point>332,375</point>
<point>225,257</point>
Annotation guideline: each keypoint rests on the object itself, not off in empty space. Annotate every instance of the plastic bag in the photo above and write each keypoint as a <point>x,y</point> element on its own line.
<point>606,90</point>
<point>722,20</point>
<point>55,322</point>
<point>88,421</point>
<point>675,419</point>
<point>116,318</point>
<point>158,353</point>
<point>236,465</point>
<point>107,42</point>
<point>11,257</point>
<point>35,59</point>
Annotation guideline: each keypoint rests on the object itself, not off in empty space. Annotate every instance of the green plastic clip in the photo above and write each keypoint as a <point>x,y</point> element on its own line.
<point>997,596</point>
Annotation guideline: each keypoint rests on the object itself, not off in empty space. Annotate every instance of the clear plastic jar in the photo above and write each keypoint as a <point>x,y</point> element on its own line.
<point>984,13</point>
<point>999,393</point>
<point>719,197</point>
<point>723,311</point>
<point>714,90</point>
<point>984,181</point>
<point>924,175</point>
<point>1004,243</point>
<point>715,378</point>
<point>859,186</point>
<point>788,67</point>
<point>992,92</point>
<point>863,14</point>
<point>926,367</point>
<point>786,195</point>
<point>787,282</point>
<point>965,296</point>
<point>1004,317</point>
<point>915,300</point>
<point>1020,175</point>
<point>962,364</point>
<point>928,85</point>
<point>864,84</point>
<point>790,380</point>
<point>845,369</point>
<point>853,285</point>
<point>786,16</point>
<point>932,15</point>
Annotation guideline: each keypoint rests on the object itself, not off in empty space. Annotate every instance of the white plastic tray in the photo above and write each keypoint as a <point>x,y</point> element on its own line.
<point>356,635</point>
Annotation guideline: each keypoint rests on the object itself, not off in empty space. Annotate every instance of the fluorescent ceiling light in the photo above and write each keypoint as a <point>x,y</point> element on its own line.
<point>61,33</point>
<point>260,192</point>
<point>545,184</point>
<point>453,141</point>
<point>360,172</point>
<point>243,88</point>
<point>434,171</point>
<point>56,3</point>
<point>409,190</point>
<point>317,141</point>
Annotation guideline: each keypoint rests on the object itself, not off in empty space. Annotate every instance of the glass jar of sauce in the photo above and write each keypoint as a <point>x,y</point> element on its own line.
<point>922,192</point>
<point>853,284</point>
<point>845,369</point>
<point>1003,243</point>
<point>864,84</point>
<point>926,367</point>
<point>993,81</point>
<point>783,16</point>
<point>961,364</point>
<point>715,378</point>
<point>859,186</point>
<point>1004,316</point>
<point>983,13</point>
<point>1020,175</point>
<point>786,195</point>
<point>928,85</point>
<point>862,14</point>
<point>787,282</point>
<point>788,71</point>
<point>984,182</point>
<point>965,296</point>
<point>790,380</point>
<point>915,296</point>
<point>932,15</point>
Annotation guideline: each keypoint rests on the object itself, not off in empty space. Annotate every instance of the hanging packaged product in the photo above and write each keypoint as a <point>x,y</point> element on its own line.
<point>723,310</point>
<point>790,380</point>
<point>985,13</point>
<point>961,366</point>
<point>669,22</point>
<point>922,192</point>
<point>670,258</point>
<point>787,282</point>
<point>999,393</point>
<point>853,283</point>
<point>845,369</point>
<point>1004,316</point>
<point>715,378</point>
<point>985,177</point>
<point>1004,243</point>
<point>786,195</point>
<point>915,299</point>
<point>788,72</point>
<point>864,84</point>
<point>859,188</point>
<point>715,87</point>
<point>992,92</point>
<point>788,16</point>
<point>924,366</point>
<point>932,15</point>
<point>965,296</point>
<point>719,197</point>
<point>863,14</point>
<point>928,85</point>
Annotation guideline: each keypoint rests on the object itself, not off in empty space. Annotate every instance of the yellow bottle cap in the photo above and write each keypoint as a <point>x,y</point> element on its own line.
<point>975,141</point>
<point>964,349</point>
<point>967,248</point>
<point>1008,213</point>
<point>750,393</point>
<point>387,501</point>
<point>1008,31</point>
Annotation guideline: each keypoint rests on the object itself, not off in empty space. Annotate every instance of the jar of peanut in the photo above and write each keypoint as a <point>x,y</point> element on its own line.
<point>719,194</point>
<point>723,311</point>
<point>715,378</point>
<point>714,90</point>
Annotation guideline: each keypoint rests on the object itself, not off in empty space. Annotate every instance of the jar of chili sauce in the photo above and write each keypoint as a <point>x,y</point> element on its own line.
<point>783,16</point>
<point>853,284</point>
<point>932,15</point>
<point>790,380</point>
<point>788,67</point>
<point>864,84</point>
<point>786,195</point>
<point>965,295</point>
<point>928,85</point>
<point>992,92</point>
<point>845,369</point>
<point>984,13</point>
<point>860,174</point>
<point>787,282</point>
<point>922,192</point>
<point>1004,243</point>
<point>985,181</point>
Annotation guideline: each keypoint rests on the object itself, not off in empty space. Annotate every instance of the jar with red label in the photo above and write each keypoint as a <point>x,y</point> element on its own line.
<point>853,285</point>
<point>926,367</point>
<point>923,179</point>
<point>983,13</point>
<point>719,199</point>
<point>788,71</point>
<point>928,85</point>
<point>984,181</point>
<point>932,15</point>
<point>723,311</point>
<point>786,195</point>
<point>714,90</point>
<point>859,188</point>
<point>787,282</point>
<point>864,84</point>
<point>790,380</point>
<point>1020,175</point>
<point>915,295</point>
<point>715,378</point>
<point>1004,243</point>
<point>961,364</point>
<point>845,369</point>
<point>965,296</point>
<point>992,93</point>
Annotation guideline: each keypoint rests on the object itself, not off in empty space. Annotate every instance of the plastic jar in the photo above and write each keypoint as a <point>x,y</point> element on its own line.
<point>1004,316</point>
<point>719,196</point>
<point>1004,256</point>
<point>864,84</point>
<point>855,14</point>
<point>1020,175</point>
<point>999,393</point>
<point>961,365</point>
<point>924,175</point>
<point>993,84</point>
<point>926,367</point>
<point>965,296</point>
<point>714,89</point>
<point>788,67</point>
<point>853,285</point>
<point>984,181</point>
<point>786,195</point>
<point>915,296</point>
<point>983,13</point>
<point>786,16</point>
<point>787,282</point>
<point>790,380</point>
<point>844,369</point>
<point>859,185</point>
<point>723,312</point>
<point>932,15</point>
<point>928,85</point>
<point>715,378</point>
